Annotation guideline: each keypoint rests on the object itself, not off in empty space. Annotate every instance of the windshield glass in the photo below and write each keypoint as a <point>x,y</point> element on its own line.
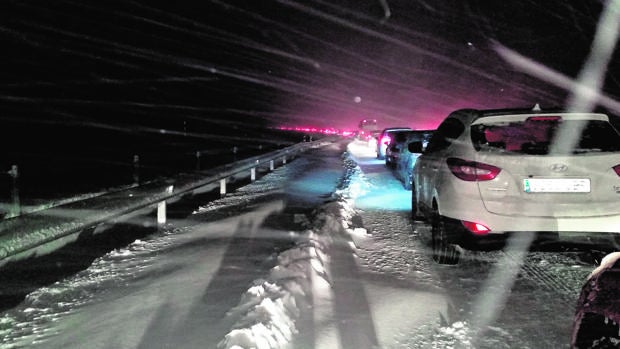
<point>534,136</point>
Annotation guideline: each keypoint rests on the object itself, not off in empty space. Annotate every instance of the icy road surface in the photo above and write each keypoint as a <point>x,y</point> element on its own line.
<point>320,253</point>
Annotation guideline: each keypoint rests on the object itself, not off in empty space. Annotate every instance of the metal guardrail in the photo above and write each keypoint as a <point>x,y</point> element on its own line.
<point>44,231</point>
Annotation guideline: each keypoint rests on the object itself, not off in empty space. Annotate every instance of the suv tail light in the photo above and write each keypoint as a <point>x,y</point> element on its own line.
<point>476,228</point>
<point>617,169</point>
<point>386,140</point>
<point>471,170</point>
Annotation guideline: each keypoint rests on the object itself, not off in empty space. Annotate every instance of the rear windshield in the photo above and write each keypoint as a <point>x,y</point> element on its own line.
<point>535,136</point>
<point>399,136</point>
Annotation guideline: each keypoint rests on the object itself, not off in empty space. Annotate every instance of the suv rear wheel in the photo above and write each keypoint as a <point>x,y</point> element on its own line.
<point>443,251</point>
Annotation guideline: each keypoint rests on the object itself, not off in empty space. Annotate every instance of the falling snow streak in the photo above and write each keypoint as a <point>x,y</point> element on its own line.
<point>257,79</point>
<point>434,55</point>
<point>551,76</point>
<point>276,64</point>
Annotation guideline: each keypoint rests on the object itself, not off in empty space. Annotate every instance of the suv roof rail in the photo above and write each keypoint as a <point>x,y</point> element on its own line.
<point>535,109</point>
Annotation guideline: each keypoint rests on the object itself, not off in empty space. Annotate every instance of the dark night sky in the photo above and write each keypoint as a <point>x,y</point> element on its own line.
<point>142,65</point>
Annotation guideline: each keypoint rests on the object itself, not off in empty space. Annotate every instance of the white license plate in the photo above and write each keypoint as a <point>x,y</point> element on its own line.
<point>556,185</point>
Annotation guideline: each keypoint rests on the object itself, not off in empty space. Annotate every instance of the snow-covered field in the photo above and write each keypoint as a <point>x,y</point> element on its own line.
<point>320,253</point>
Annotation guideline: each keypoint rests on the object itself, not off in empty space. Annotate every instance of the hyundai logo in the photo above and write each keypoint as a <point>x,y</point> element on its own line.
<point>559,168</point>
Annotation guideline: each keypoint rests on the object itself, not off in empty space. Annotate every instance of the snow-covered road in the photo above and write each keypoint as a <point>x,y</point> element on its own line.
<point>320,253</point>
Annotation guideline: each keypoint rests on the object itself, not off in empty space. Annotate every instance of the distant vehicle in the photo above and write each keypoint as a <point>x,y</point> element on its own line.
<point>486,174</point>
<point>373,140</point>
<point>385,138</point>
<point>365,129</point>
<point>405,160</point>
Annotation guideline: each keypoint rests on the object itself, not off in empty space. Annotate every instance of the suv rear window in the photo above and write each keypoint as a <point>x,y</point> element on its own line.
<point>534,136</point>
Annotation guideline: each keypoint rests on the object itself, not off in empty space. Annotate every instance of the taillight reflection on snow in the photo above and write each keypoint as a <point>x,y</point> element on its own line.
<point>476,228</point>
<point>472,170</point>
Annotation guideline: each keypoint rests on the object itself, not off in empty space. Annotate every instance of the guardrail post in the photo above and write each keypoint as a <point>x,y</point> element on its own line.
<point>223,186</point>
<point>284,160</point>
<point>198,160</point>
<point>161,208</point>
<point>234,150</point>
<point>271,165</point>
<point>15,207</point>
<point>136,169</point>
<point>253,171</point>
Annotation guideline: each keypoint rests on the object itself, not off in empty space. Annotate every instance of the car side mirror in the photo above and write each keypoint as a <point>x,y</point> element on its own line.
<point>415,147</point>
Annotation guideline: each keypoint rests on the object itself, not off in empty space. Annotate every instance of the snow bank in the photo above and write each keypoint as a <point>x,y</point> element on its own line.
<point>269,308</point>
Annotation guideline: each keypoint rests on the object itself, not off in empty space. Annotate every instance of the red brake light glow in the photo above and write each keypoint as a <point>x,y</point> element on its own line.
<point>617,169</point>
<point>476,228</point>
<point>386,140</point>
<point>544,118</point>
<point>471,170</point>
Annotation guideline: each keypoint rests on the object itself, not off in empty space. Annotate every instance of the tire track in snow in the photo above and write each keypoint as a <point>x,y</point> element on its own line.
<point>550,280</point>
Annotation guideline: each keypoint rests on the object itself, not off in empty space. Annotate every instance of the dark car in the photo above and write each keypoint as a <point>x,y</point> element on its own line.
<point>399,142</point>
<point>385,139</point>
<point>404,160</point>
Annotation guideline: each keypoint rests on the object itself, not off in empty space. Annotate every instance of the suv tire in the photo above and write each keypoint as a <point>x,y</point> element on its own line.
<point>443,251</point>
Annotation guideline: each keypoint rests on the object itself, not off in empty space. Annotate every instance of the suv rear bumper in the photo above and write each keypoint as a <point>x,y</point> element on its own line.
<point>457,234</point>
<point>470,208</point>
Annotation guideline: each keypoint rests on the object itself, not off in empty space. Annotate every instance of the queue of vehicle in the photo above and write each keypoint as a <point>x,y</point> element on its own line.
<point>485,175</point>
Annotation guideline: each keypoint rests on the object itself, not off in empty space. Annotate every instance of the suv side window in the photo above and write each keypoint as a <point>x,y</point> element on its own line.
<point>449,130</point>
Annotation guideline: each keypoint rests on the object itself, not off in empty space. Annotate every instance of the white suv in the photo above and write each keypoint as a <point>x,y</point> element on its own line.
<point>486,174</point>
